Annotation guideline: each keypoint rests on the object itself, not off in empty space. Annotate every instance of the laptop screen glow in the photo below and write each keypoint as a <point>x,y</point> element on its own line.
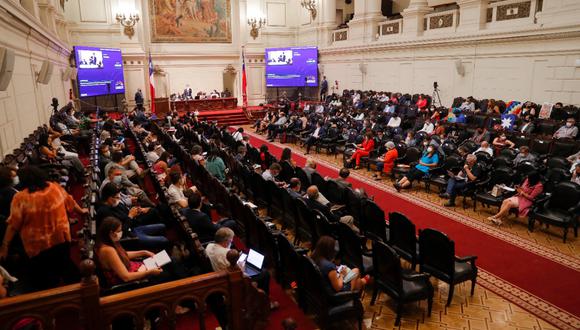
<point>255,259</point>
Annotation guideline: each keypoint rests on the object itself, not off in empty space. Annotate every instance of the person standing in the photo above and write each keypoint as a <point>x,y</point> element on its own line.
<point>39,214</point>
<point>323,89</point>
<point>139,98</point>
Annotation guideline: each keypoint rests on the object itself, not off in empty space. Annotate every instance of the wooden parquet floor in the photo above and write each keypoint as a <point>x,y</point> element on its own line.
<point>483,310</point>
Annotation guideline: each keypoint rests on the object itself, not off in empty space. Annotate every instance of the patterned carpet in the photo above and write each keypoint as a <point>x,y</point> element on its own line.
<point>497,304</point>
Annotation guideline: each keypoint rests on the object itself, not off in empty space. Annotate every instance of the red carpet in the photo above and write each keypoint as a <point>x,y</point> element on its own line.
<point>550,281</point>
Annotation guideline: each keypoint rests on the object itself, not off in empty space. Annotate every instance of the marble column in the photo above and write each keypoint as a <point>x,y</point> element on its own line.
<point>472,15</point>
<point>363,26</point>
<point>413,17</point>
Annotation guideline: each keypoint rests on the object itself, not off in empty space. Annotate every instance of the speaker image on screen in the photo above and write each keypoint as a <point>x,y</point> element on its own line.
<point>45,72</point>
<point>6,67</point>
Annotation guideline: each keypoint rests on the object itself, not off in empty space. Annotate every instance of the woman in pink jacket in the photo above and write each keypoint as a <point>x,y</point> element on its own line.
<point>523,200</point>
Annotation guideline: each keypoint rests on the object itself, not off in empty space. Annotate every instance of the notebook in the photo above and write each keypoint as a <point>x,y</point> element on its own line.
<point>157,261</point>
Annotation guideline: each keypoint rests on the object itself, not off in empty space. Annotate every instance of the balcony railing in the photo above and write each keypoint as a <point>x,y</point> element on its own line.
<point>340,35</point>
<point>511,12</point>
<point>444,21</point>
<point>390,28</point>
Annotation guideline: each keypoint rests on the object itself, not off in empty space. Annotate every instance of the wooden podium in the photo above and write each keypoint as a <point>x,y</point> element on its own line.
<point>162,106</point>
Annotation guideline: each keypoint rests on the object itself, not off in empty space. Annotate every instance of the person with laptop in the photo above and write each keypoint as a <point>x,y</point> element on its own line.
<point>251,264</point>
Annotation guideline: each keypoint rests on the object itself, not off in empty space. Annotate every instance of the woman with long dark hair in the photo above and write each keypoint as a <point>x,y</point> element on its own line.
<point>522,200</point>
<point>118,265</point>
<point>288,165</point>
<point>215,164</point>
<point>323,255</point>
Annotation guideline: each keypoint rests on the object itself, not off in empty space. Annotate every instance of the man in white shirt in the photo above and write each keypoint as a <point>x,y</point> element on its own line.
<point>271,173</point>
<point>568,131</point>
<point>238,135</point>
<point>395,121</point>
<point>274,128</point>
<point>485,148</point>
<point>217,251</point>
<point>468,105</point>
<point>428,127</point>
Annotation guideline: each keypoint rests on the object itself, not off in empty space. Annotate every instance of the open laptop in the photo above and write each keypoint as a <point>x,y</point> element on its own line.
<point>254,263</point>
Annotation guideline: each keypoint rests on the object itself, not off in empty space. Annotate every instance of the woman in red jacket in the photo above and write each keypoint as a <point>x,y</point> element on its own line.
<point>363,149</point>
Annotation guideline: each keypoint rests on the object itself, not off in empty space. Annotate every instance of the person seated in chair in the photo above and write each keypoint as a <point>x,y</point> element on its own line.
<point>576,174</point>
<point>143,222</point>
<point>387,161</point>
<point>501,142</point>
<point>294,188</point>
<point>316,201</point>
<point>131,192</point>
<point>457,181</point>
<point>309,168</point>
<point>217,252</point>
<point>429,160</point>
<point>272,172</point>
<point>177,190</point>
<point>127,164</point>
<point>117,265</point>
<point>524,156</point>
<point>276,127</point>
<point>523,200</point>
<point>318,134</point>
<point>568,131</point>
<point>362,150</point>
<point>323,255</point>
<point>200,222</point>
<point>343,174</point>
<point>485,148</point>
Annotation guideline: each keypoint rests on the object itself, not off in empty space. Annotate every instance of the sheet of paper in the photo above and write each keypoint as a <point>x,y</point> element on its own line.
<point>162,258</point>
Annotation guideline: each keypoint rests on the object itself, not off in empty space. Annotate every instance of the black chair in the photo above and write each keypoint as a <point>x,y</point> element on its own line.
<point>412,155</point>
<point>401,285</point>
<point>288,266</point>
<point>318,181</point>
<point>290,211</point>
<point>562,147</point>
<point>560,210</point>
<point>305,230</point>
<point>315,295</point>
<point>540,147</point>
<point>557,162</point>
<point>352,251</point>
<point>483,189</point>
<point>403,237</point>
<point>301,175</point>
<point>437,257</point>
<point>373,223</point>
<point>335,193</point>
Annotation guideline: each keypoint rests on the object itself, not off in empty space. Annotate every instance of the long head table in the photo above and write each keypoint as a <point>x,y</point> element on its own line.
<point>205,104</point>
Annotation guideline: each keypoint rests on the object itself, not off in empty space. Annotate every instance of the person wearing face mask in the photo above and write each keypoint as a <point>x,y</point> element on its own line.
<point>142,222</point>
<point>429,160</point>
<point>130,192</point>
<point>428,127</point>
<point>39,214</point>
<point>524,156</point>
<point>568,131</point>
<point>527,126</point>
<point>117,265</point>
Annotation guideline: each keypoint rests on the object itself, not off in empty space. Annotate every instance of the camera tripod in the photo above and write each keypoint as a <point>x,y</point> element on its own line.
<point>435,96</point>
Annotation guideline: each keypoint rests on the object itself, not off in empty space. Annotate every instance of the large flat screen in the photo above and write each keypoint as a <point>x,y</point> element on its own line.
<point>100,71</point>
<point>292,67</point>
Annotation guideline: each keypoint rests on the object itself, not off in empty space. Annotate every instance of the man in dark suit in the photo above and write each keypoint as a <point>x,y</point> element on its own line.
<point>294,188</point>
<point>139,98</point>
<point>323,88</point>
<point>200,222</point>
<point>527,126</point>
<point>318,202</point>
<point>143,222</point>
<point>318,133</point>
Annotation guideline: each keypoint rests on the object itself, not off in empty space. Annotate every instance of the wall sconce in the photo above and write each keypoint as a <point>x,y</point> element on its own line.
<point>128,22</point>
<point>310,5</point>
<point>255,25</point>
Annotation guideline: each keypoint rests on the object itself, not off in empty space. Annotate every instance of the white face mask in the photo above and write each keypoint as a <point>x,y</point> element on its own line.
<point>117,179</point>
<point>116,203</point>
<point>15,180</point>
<point>107,154</point>
<point>568,124</point>
<point>117,236</point>
<point>430,149</point>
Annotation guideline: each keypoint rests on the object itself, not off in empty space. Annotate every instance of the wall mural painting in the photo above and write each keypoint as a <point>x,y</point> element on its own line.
<point>196,21</point>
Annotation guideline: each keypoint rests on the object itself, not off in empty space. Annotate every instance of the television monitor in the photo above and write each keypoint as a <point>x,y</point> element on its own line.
<point>99,71</point>
<point>292,67</point>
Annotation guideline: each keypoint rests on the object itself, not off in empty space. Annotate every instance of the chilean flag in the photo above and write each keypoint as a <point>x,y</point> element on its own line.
<point>151,85</point>
<point>244,82</point>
